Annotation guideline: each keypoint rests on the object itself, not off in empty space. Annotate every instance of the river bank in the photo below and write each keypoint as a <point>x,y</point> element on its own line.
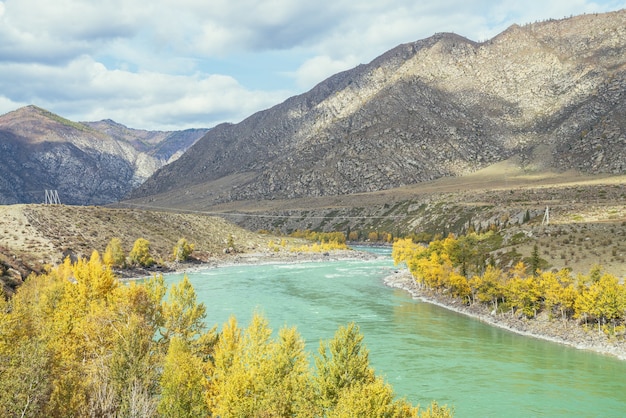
<point>563,332</point>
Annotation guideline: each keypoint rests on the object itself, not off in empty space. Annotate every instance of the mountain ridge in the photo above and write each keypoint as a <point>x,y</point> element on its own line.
<point>87,165</point>
<point>551,93</point>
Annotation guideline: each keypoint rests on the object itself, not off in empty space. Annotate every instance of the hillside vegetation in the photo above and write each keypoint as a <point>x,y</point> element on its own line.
<point>77,343</point>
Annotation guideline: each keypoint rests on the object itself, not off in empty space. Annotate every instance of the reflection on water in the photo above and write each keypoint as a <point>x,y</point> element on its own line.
<point>424,351</point>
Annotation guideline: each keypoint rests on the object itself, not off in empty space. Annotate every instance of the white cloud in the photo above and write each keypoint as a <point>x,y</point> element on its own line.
<point>168,63</point>
<point>85,90</point>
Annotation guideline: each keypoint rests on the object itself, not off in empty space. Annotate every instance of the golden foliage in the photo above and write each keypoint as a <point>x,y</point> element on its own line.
<point>444,264</point>
<point>80,344</point>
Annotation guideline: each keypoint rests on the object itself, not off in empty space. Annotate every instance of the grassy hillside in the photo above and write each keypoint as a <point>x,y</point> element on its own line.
<point>32,236</point>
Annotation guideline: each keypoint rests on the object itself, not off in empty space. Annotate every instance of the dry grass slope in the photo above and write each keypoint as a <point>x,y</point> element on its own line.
<point>48,233</point>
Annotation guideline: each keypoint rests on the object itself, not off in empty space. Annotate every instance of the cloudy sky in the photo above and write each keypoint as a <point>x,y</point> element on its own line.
<point>175,64</point>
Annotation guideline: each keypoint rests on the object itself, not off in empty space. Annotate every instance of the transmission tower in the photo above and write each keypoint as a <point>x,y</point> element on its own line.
<point>52,197</point>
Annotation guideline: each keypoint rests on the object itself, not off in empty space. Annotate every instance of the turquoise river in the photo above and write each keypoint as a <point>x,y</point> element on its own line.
<point>426,352</point>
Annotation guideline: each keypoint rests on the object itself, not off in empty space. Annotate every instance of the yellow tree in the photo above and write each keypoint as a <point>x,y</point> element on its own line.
<point>404,250</point>
<point>254,375</point>
<point>342,364</point>
<point>523,294</point>
<point>182,383</point>
<point>558,291</point>
<point>373,399</point>
<point>131,370</point>
<point>488,288</point>
<point>183,316</point>
<point>114,254</point>
<point>140,254</point>
<point>182,250</point>
<point>372,236</point>
<point>25,380</point>
<point>220,399</point>
<point>611,299</point>
<point>459,286</point>
<point>82,331</point>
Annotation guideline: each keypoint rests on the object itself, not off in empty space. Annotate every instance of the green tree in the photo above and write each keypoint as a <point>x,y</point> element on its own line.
<point>140,254</point>
<point>535,261</point>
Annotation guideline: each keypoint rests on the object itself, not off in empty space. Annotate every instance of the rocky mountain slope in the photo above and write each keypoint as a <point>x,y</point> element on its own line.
<point>88,163</point>
<point>552,94</point>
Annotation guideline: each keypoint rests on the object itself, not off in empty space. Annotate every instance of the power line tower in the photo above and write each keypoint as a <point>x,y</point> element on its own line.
<point>52,198</point>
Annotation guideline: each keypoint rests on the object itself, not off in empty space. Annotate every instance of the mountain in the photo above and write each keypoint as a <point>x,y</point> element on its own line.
<point>551,95</point>
<point>87,163</point>
<point>163,145</point>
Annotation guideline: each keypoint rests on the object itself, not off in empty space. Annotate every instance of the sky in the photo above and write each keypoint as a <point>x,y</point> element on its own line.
<point>178,64</point>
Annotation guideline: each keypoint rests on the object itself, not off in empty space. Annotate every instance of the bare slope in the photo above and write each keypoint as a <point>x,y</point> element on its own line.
<point>551,93</point>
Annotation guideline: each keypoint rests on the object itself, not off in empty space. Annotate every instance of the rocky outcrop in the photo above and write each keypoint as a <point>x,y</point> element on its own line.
<point>551,93</point>
<point>88,164</point>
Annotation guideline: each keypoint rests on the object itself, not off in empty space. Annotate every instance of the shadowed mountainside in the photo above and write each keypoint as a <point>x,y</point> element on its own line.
<point>551,94</point>
<point>88,163</point>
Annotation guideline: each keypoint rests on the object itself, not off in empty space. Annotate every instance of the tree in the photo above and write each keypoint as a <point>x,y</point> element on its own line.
<point>535,261</point>
<point>114,254</point>
<point>523,294</point>
<point>183,316</point>
<point>230,244</point>
<point>404,250</point>
<point>182,383</point>
<point>182,250</point>
<point>373,399</point>
<point>488,287</point>
<point>255,375</point>
<point>342,364</point>
<point>140,254</point>
<point>459,286</point>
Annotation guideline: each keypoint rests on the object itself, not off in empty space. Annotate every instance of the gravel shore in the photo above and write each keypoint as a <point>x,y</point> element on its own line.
<point>563,332</point>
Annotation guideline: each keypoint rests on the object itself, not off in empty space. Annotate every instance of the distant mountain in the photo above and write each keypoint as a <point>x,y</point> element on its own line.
<point>87,163</point>
<point>551,93</point>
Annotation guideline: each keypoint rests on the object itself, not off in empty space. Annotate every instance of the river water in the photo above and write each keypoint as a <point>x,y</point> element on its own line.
<point>426,352</point>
